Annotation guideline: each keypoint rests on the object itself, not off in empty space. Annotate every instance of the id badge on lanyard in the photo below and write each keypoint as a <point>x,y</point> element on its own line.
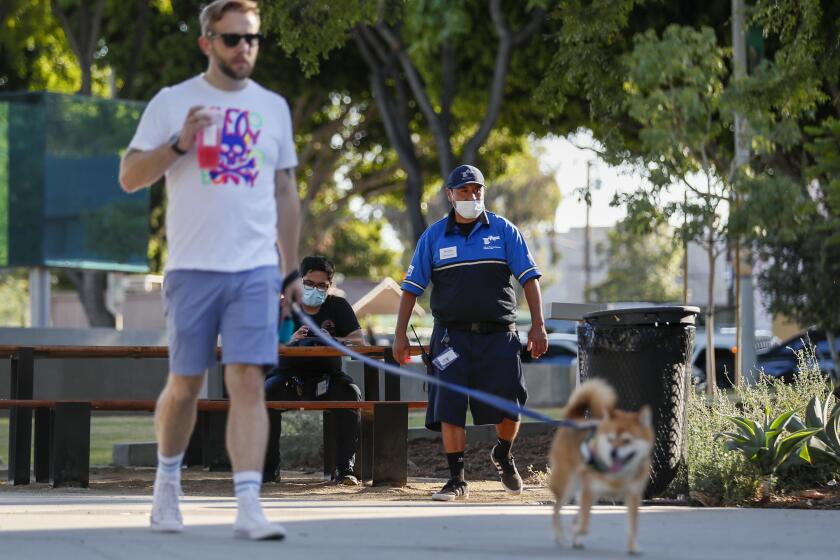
<point>322,387</point>
<point>442,360</point>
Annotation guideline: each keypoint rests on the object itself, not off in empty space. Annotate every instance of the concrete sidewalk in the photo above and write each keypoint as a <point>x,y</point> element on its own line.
<point>79,525</point>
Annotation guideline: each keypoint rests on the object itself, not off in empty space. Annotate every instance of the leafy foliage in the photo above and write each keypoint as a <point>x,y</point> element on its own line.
<point>33,52</point>
<point>729,478</point>
<point>825,417</point>
<point>445,76</point>
<point>524,193</point>
<point>357,248</point>
<point>767,445</point>
<point>640,266</point>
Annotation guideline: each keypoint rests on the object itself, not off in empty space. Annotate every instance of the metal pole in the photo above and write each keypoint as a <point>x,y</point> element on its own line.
<point>747,350</point>
<point>685,252</point>
<point>587,270</point>
<point>39,297</point>
<point>745,314</point>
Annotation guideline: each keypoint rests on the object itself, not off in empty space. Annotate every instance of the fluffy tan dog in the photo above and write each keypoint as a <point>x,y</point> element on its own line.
<point>612,460</point>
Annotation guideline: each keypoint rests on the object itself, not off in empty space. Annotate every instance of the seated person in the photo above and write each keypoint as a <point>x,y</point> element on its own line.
<point>318,378</point>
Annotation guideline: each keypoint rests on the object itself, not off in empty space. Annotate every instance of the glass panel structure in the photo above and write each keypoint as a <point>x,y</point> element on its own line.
<point>60,200</point>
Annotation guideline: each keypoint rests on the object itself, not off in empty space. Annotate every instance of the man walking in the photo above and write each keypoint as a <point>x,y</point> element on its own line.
<point>227,212</point>
<point>470,258</point>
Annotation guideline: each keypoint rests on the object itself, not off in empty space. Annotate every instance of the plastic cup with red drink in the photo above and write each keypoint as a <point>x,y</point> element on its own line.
<point>209,140</point>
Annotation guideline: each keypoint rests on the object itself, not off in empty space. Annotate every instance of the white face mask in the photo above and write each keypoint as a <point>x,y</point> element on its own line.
<point>469,209</point>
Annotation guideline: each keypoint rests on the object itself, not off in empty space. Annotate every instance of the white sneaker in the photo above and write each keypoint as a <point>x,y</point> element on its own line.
<point>252,524</point>
<point>166,515</point>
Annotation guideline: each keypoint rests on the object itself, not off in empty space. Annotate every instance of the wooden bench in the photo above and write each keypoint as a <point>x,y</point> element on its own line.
<point>62,428</point>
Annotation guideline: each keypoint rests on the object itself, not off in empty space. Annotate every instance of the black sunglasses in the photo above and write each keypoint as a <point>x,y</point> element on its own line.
<point>232,39</point>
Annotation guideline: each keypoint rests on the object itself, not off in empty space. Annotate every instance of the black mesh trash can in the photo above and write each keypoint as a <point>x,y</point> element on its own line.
<point>645,354</point>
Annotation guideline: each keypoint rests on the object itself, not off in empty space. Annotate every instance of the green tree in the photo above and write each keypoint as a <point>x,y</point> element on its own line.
<point>640,267</point>
<point>675,92</point>
<point>791,206</point>
<point>586,73</point>
<point>14,298</point>
<point>794,226</point>
<point>444,75</point>
<point>525,193</point>
<point>357,249</point>
<point>793,91</point>
<point>33,54</point>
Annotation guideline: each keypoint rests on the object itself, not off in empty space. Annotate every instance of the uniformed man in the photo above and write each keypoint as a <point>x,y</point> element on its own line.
<point>471,258</point>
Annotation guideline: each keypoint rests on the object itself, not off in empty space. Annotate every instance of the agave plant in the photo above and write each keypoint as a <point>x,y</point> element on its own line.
<point>826,418</point>
<point>766,445</point>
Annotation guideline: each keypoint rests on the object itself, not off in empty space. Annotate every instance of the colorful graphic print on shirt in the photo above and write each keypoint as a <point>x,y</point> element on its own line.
<point>240,160</point>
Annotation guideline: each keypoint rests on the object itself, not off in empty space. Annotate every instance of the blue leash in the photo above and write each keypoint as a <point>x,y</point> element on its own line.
<point>487,398</point>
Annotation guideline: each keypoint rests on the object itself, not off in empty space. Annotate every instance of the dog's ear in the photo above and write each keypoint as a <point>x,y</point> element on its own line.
<point>646,416</point>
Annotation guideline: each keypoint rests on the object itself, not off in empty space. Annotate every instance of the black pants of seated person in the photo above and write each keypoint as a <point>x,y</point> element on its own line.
<point>346,422</point>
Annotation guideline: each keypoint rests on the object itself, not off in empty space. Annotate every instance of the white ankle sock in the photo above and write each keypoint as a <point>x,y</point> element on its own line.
<point>169,467</point>
<point>246,486</point>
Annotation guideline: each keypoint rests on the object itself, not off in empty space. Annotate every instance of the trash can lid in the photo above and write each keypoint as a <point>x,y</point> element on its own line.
<point>671,314</point>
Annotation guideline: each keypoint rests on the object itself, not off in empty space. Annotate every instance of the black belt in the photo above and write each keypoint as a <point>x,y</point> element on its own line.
<point>480,327</point>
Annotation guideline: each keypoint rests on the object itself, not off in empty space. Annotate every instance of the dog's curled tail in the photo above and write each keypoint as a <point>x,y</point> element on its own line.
<point>595,396</point>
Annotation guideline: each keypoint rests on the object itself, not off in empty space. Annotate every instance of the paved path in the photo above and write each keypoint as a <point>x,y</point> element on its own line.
<point>80,525</point>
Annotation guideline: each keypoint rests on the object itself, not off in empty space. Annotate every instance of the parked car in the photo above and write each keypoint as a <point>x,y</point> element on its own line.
<point>562,349</point>
<point>782,361</point>
<point>725,350</point>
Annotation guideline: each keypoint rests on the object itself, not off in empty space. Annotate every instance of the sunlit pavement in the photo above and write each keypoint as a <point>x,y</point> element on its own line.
<point>81,525</point>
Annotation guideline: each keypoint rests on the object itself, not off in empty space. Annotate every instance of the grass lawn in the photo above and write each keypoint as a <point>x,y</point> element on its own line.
<point>105,431</point>
<point>108,429</point>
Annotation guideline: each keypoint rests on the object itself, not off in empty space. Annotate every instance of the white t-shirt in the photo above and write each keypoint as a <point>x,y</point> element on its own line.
<point>224,219</point>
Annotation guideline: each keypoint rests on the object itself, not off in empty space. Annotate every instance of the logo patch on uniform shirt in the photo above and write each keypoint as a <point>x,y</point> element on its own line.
<point>488,242</point>
<point>410,270</point>
<point>448,253</point>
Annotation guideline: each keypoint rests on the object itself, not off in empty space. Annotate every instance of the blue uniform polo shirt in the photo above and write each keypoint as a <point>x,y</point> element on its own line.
<point>472,274</point>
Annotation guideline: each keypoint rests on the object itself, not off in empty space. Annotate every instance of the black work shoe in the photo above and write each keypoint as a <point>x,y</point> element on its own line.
<point>271,474</point>
<point>507,472</point>
<point>454,489</point>
<point>345,477</point>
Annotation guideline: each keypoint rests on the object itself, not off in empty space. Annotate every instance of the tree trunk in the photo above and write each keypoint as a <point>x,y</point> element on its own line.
<point>141,27</point>
<point>392,105</point>
<point>711,375</point>
<point>91,286</point>
<point>84,41</point>
<point>413,196</point>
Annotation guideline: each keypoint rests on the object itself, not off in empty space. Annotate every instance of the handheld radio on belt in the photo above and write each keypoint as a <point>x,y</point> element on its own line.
<point>427,359</point>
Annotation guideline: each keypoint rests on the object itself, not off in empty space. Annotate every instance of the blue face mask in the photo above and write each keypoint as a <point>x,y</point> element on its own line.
<point>313,297</point>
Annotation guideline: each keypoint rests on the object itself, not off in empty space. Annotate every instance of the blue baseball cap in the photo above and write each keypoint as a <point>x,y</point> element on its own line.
<point>464,175</point>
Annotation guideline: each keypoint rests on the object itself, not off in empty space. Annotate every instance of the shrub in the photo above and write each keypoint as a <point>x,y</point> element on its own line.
<point>715,476</point>
<point>720,476</point>
<point>301,443</point>
<point>767,446</point>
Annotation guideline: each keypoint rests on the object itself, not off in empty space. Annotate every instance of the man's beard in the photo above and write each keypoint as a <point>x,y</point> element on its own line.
<point>233,74</point>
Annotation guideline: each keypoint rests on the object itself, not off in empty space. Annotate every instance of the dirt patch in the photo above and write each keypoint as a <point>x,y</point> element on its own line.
<point>426,457</point>
<point>427,472</point>
<point>822,498</point>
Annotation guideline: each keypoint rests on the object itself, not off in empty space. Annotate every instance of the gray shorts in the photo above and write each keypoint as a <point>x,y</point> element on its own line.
<point>242,307</point>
